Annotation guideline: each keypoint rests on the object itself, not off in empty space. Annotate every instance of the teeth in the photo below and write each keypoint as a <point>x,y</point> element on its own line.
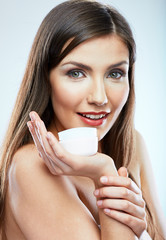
<point>94,116</point>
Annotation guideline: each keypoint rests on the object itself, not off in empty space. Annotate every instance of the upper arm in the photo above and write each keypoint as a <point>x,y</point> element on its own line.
<point>148,184</point>
<point>46,206</point>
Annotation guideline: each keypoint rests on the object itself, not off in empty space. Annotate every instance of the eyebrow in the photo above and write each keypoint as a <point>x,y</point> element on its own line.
<point>90,69</point>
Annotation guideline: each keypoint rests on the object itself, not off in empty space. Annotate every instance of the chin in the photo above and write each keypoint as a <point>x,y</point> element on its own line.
<point>101,135</point>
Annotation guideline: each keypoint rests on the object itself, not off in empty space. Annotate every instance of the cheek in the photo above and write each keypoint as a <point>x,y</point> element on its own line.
<point>118,96</point>
<point>66,96</point>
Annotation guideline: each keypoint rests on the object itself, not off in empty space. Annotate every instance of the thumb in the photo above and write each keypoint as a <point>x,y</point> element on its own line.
<point>123,172</point>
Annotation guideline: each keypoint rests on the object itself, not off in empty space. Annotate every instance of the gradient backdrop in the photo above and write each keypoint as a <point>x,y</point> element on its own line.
<point>19,21</point>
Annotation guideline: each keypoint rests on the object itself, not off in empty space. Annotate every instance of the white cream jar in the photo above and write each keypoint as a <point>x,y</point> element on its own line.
<point>80,141</point>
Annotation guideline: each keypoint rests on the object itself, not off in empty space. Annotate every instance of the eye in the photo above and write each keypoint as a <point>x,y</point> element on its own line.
<point>75,74</point>
<point>116,74</point>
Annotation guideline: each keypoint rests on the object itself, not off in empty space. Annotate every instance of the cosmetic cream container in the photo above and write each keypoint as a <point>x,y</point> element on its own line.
<point>80,141</point>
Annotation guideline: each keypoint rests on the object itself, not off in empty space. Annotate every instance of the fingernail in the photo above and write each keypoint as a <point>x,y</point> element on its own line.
<point>29,126</point>
<point>32,116</point>
<point>99,203</point>
<point>106,210</point>
<point>96,192</point>
<point>104,179</point>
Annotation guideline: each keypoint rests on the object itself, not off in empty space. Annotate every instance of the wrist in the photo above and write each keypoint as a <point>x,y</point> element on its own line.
<point>107,169</point>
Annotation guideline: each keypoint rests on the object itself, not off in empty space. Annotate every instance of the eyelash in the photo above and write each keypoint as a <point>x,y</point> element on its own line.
<point>70,72</point>
<point>117,71</point>
<point>114,71</point>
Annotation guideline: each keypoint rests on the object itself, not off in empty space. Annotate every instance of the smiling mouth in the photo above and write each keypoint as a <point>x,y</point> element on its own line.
<point>93,116</point>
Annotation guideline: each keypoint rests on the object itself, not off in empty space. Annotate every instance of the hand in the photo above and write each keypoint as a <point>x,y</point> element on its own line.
<point>121,199</point>
<point>61,162</point>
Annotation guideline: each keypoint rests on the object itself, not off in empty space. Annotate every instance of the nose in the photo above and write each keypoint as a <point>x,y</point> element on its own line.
<point>97,94</point>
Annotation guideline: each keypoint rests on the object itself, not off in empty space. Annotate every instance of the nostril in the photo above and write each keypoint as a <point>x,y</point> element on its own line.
<point>97,94</point>
<point>98,99</point>
<point>101,103</point>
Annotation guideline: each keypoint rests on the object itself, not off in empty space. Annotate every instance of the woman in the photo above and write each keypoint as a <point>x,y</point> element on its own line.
<point>80,73</point>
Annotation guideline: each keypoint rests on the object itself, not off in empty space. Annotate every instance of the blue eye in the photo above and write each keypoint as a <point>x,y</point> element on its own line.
<point>75,74</point>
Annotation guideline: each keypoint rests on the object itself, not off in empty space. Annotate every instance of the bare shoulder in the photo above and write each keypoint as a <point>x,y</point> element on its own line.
<point>134,167</point>
<point>140,165</point>
<point>28,172</point>
<point>141,148</point>
<point>27,163</point>
<point>148,186</point>
<point>26,157</point>
<point>45,206</point>
<point>142,156</point>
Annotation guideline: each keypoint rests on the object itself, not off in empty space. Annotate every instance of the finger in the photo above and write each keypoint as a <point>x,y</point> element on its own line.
<point>39,147</point>
<point>74,164</point>
<point>52,147</point>
<point>55,170</point>
<point>51,155</point>
<point>41,131</point>
<point>120,193</point>
<point>34,116</point>
<point>121,182</point>
<point>123,172</point>
<point>37,140</point>
<point>35,137</point>
<point>35,120</point>
<point>122,205</point>
<point>136,224</point>
<point>59,152</point>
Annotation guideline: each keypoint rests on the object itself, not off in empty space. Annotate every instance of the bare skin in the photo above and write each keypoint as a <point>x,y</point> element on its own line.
<point>57,195</point>
<point>32,187</point>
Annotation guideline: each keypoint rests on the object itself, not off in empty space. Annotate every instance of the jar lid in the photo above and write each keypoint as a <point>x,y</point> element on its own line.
<point>77,133</point>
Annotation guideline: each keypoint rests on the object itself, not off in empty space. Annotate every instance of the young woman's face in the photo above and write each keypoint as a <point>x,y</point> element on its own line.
<point>90,85</point>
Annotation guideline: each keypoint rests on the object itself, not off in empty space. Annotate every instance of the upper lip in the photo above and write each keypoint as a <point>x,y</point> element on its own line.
<point>94,113</point>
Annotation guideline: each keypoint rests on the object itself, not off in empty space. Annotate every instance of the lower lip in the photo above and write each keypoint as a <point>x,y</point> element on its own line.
<point>92,122</point>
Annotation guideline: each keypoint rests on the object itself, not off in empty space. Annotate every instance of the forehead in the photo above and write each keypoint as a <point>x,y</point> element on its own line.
<point>104,49</point>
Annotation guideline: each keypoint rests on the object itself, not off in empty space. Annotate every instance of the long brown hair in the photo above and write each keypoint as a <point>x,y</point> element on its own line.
<point>78,21</point>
